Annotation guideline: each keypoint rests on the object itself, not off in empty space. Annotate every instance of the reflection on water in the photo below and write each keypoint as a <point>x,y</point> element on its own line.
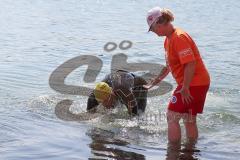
<point>184,151</point>
<point>114,133</point>
<point>104,145</point>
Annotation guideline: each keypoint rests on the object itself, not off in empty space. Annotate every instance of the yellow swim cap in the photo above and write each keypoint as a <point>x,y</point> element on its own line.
<point>102,91</point>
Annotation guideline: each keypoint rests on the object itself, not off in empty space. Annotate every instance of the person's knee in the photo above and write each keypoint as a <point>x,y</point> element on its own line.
<point>173,117</point>
<point>189,119</point>
<point>174,132</point>
<point>191,129</point>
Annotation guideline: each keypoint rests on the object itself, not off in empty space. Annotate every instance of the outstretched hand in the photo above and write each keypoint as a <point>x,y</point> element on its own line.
<point>150,84</point>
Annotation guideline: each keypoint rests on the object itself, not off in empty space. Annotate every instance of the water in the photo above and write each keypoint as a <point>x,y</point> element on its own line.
<point>38,36</point>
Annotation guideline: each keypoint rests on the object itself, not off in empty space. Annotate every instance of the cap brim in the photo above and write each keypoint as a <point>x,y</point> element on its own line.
<point>151,25</point>
<point>149,29</point>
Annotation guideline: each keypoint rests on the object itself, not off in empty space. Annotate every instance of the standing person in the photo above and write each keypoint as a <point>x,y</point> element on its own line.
<point>183,60</point>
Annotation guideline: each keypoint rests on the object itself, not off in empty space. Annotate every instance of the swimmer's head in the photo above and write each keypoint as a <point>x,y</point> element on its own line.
<point>102,91</point>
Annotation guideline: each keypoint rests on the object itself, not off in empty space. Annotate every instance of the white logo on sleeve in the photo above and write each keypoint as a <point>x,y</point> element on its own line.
<point>185,52</point>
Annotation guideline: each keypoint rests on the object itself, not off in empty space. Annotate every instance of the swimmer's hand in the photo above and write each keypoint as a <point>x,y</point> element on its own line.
<point>92,110</point>
<point>107,105</point>
<point>130,108</point>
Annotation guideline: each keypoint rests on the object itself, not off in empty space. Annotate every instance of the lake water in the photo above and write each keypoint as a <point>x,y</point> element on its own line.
<point>38,36</point>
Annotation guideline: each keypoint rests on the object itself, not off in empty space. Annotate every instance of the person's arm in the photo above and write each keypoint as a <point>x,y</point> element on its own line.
<point>187,58</point>
<point>164,72</point>
<point>140,94</point>
<point>92,103</point>
<point>127,97</point>
<point>189,70</point>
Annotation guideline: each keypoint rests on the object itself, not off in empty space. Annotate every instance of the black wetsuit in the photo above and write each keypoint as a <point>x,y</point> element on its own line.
<point>128,88</point>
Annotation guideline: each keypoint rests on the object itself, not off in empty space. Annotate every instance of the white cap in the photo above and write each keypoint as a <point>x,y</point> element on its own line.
<point>152,15</point>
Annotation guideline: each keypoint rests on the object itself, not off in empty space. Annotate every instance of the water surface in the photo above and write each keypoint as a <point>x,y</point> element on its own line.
<point>38,36</point>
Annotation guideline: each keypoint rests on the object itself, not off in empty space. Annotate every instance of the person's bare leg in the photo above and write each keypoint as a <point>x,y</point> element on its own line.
<point>190,123</point>
<point>173,150</point>
<point>174,130</point>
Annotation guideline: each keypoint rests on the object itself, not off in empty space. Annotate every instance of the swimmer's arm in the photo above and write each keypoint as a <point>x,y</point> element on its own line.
<point>127,97</point>
<point>164,72</point>
<point>92,103</point>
